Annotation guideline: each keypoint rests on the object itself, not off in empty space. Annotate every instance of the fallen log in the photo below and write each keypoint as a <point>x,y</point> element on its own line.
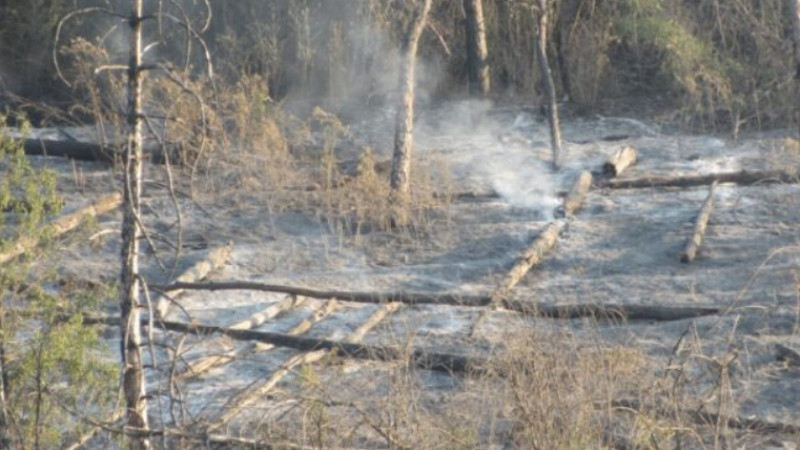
<point>705,418</point>
<point>206,363</point>
<point>253,393</point>
<point>538,309</point>
<point>90,151</point>
<point>63,224</point>
<point>576,195</point>
<point>203,439</point>
<point>214,260</point>
<point>408,298</point>
<point>784,353</point>
<point>619,161</point>
<point>744,177</point>
<point>533,256</point>
<point>696,240</point>
<point>418,357</point>
<point>259,318</point>
<point>82,151</point>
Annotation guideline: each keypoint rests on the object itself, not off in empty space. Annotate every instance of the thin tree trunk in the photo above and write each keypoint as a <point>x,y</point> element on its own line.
<point>477,51</point>
<point>795,11</point>
<point>132,372</point>
<point>404,125</point>
<point>547,82</point>
<point>567,12</point>
<point>5,431</point>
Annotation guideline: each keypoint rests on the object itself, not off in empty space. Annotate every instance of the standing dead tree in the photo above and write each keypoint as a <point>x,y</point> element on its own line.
<point>795,11</point>
<point>404,125</point>
<point>541,12</point>
<point>477,51</point>
<point>133,299</point>
<point>133,384</point>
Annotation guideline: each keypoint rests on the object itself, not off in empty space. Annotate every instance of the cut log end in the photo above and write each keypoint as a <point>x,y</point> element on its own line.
<point>619,161</point>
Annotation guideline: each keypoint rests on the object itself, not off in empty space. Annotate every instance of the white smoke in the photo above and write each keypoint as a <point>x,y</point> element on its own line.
<point>506,154</point>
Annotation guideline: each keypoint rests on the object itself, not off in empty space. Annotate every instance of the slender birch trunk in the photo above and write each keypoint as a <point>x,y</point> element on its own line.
<point>5,432</point>
<point>795,11</point>
<point>477,51</point>
<point>547,82</point>
<point>404,124</point>
<point>132,372</point>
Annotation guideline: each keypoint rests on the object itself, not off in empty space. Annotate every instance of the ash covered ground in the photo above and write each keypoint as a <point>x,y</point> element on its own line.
<point>623,247</point>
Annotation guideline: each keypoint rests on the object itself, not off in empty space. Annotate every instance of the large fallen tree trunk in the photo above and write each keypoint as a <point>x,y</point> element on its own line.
<point>694,242</point>
<point>63,224</point>
<point>540,247</point>
<point>419,357</point>
<point>253,393</point>
<point>533,256</point>
<point>90,151</point>
<point>214,260</point>
<point>744,177</point>
<point>82,151</point>
<point>540,309</point>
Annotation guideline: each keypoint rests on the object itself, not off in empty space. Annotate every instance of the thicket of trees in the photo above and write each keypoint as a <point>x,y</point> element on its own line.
<point>723,62</point>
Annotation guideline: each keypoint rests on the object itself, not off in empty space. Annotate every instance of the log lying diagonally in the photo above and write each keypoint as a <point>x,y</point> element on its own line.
<point>538,309</point>
<point>744,177</point>
<point>576,195</point>
<point>696,240</point>
<point>418,357</point>
<point>253,393</point>
<point>540,247</point>
<point>206,363</point>
<point>64,224</point>
<point>214,260</point>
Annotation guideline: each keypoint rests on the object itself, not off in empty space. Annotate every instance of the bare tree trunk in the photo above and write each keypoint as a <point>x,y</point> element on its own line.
<point>132,372</point>
<point>404,125</point>
<point>567,12</point>
<point>477,52</point>
<point>547,82</point>
<point>5,431</point>
<point>795,11</point>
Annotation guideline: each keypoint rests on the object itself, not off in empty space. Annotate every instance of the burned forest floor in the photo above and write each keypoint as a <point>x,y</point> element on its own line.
<point>318,327</point>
